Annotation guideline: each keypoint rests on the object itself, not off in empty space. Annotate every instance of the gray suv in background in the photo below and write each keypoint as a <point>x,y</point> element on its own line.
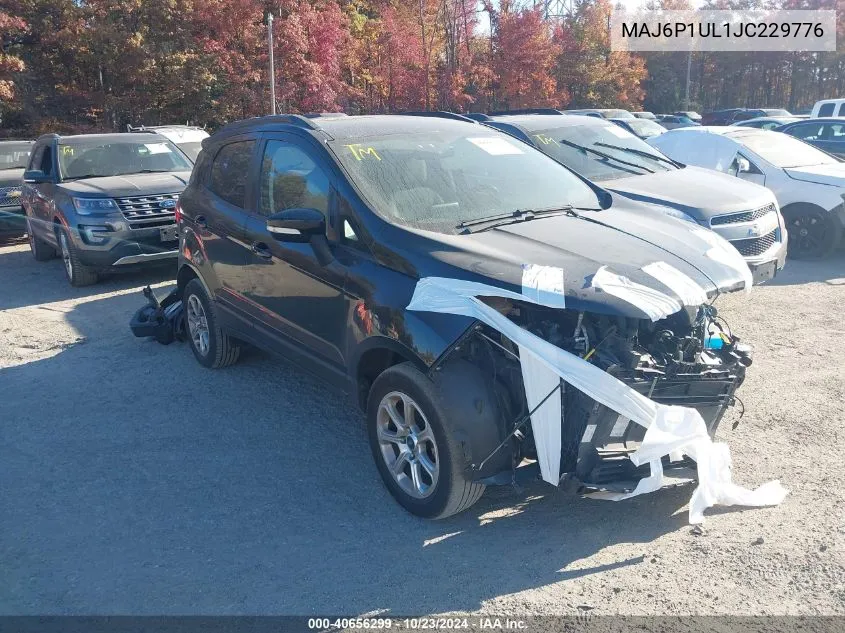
<point>14,156</point>
<point>103,201</point>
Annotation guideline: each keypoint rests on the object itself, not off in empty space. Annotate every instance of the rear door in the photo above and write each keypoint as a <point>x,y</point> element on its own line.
<point>299,301</point>
<point>216,214</point>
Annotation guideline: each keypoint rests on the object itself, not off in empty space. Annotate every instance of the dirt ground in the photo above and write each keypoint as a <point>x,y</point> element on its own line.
<point>134,481</point>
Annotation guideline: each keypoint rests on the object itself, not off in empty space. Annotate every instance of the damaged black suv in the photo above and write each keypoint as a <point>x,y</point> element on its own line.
<point>310,236</point>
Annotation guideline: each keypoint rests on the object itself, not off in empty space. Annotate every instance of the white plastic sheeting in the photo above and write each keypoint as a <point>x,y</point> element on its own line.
<point>544,284</point>
<point>690,292</point>
<point>653,302</point>
<point>670,429</point>
<point>546,420</point>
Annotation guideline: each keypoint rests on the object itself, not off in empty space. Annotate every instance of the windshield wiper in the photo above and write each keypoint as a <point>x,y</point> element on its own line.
<point>519,215</point>
<point>83,177</point>
<point>604,155</point>
<point>639,152</point>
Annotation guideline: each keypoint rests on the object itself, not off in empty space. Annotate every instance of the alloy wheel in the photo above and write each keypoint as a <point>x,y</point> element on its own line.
<point>407,445</point>
<point>198,325</point>
<point>807,234</point>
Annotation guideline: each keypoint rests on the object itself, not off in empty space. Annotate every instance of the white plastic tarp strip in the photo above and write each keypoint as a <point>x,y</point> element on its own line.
<point>546,420</point>
<point>544,284</point>
<point>685,288</point>
<point>653,302</point>
<point>670,429</point>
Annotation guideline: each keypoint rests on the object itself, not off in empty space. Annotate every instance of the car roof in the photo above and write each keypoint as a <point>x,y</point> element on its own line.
<point>342,127</point>
<point>117,137</point>
<point>16,140</point>
<point>532,122</point>
<point>821,119</point>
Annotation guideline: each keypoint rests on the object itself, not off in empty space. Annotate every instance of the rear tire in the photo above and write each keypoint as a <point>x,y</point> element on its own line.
<point>813,232</point>
<point>41,250</point>
<point>212,347</point>
<point>417,455</point>
<point>78,274</point>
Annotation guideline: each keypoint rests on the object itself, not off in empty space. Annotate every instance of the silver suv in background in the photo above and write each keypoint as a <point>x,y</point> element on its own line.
<point>103,201</point>
<point>185,137</point>
<point>13,158</point>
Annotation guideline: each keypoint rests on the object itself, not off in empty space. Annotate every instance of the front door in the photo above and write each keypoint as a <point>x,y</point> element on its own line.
<point>297,299</point>
<point>40,195</point>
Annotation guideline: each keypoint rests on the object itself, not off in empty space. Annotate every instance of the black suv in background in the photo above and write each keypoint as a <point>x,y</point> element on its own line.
<point>14,156</point>
<point>308,237</point>
<point>103,201</point>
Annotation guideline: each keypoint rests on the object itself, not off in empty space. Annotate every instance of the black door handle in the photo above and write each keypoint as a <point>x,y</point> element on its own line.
<point>262,250</point>
<point>201,222</point>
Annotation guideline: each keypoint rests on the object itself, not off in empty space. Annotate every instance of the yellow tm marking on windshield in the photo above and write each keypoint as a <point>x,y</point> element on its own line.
<point>67,150</point>
<point>545,139</point>
<point>359,151</point>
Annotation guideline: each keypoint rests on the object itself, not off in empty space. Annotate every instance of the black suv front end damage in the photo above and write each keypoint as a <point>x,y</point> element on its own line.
<point>689,359</point>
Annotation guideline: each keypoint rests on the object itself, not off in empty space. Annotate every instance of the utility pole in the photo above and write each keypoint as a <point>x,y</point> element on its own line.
<point>686,90</point>
<point>272,63</point>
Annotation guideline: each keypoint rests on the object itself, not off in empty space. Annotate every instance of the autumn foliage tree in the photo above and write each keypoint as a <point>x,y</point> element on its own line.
<point>11,29</point>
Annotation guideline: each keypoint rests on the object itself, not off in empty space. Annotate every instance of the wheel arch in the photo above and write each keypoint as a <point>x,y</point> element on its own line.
<point>373,356</point>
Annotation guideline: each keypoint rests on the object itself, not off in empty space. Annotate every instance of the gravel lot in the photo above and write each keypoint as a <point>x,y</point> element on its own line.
<point>134,481</point>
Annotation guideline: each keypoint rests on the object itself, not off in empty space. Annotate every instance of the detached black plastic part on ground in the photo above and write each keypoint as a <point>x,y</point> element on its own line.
<point>162,320</point>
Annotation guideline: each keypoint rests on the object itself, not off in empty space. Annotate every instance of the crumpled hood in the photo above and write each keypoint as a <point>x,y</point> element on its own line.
<point>625,240</point>
<point>701,193</point>
<point>11,177</point>
<point>130,185</point>
<point>822,174</point>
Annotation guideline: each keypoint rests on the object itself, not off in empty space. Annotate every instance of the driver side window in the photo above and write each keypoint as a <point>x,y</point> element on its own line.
<point>291,179</point>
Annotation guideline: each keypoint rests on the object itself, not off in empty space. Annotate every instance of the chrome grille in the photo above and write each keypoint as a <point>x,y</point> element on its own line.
<point>6,200</point>
<point>756,245</point>
<point>146,211</point>
<point>742,216</point>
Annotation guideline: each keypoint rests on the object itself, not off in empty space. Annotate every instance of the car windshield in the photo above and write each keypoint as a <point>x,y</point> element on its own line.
<point>437,180</point>
<point>784,151</point>
<point>192,150</point>
<point>644,127</point>
<point>601,152</point>
<point>14,155</point>
<point>777,112</point>
<point>96,158</point>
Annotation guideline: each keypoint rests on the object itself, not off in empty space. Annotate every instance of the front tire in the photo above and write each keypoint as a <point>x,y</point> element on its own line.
<point>212,347</point>
<point>40,249</point>
<point>813,232</point>
<point>414,447</point>
<point>78,274</point>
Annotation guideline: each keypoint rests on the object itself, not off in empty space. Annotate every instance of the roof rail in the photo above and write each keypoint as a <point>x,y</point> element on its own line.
<point>290,119</point>
<point>478,116</point>
<point>441,114</point>
<point>528,111</point>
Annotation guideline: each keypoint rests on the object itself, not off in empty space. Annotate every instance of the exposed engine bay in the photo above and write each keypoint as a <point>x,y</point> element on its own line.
<point>690,359</point>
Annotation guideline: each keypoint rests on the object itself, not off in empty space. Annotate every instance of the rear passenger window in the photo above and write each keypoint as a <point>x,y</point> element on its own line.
<point>47,161</point>
<point>841,109</point>
<point>230,170</point>
<point>826,109</point>
<point>290,179</point>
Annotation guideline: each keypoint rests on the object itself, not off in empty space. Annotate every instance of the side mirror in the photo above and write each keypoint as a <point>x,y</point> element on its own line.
<point>296,225</point>
<point>742,165</point>
<point>36,176</point>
